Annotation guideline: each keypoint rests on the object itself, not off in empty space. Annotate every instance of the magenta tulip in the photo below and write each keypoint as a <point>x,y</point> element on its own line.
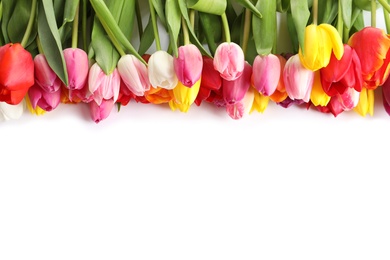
<point>266,73</point>
<point>298,80</point>
<point>44,75</point>
<point>134,74</point>
<point>77,66</point>
<point>235,90</point>
<point>229,60</point>
<point>188,65</point>
<point>102,111</point>
<point>47,101</point>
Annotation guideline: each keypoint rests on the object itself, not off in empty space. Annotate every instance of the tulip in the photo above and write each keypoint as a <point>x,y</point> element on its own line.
<point>386,95</point>
<point>260,102</point>
<point>342,74</point>
<point>134,74</point>
<point>243,107</point>
<point>298,80</point>
<point>77,66</point>
<point>366,102</point>
<point>184,96</point>
<point>343,102</point>
<point>318,96</point>
<point>16,74</point>
<point>45,77</point>
<point>103,86</point>
<point>280,93</point>
<point>11,112</point>
<point>266,73</point>
<point>159,95</point>
<point>320,41</point>
<point>211,80</point>
<point>39,97</point>
<point>102,111</point>
<point>234,90</point>
<point>372,46</point>
<point>188,65</point>
<point>161,71</point>
<point>229,60</point>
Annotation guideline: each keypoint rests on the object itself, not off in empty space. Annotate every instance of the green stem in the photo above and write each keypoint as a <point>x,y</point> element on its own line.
<point>387,19</point>
<point>225,24</point>
<point>30,24</point>
<point>84,24</point>
<point>192,18</point>
<point>186,35</point>
<point>373,13</point>
<point>385,5</point>
<point>315,12</point>
<point>75,27</point>
<point>139,19</point>
<point>247,28</point>
<point>155,28</point>
<point>116,43</point>
<point>40,49</point>
<point>340,21</point>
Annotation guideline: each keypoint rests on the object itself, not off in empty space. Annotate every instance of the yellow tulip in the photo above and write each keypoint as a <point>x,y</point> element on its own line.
<point>366,102</point>
<point>184,97</point>
<point>260,102</point>
<point>320,41</point>
<point>318,96</point>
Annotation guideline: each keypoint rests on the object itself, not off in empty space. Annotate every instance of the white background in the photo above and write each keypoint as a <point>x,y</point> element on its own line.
<point>150,183</point>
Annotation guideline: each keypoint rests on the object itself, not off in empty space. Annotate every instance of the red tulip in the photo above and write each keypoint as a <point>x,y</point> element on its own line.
<point>342,74</point>
<point>372,46</point>
<point>16,73</point>
<point>211,80</point>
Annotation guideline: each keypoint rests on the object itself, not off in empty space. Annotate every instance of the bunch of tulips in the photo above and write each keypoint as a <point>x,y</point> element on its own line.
<point>223,52</point>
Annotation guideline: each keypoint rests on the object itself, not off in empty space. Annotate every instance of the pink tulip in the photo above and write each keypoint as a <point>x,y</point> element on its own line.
<point>103,86</point>
<point>77,66</point>
<point>298,80</point>
<point>266,73</point>
<point>242,107</point>
<point>188,65</point>
<point>102,111</point>
<point>344,102</point>
<point>39,97</point>
<point>134,74</point>
<point>229,60</point>
<point>44,76</point>
<point>235,90</point>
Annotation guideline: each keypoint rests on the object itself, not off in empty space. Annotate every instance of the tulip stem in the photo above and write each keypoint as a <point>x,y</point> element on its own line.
<point>139,19</point>
<point>155,28</point>
<point>387,19</point>
<point>75,27</point>
<point>186,35</point>
<point>340,21</point>
<point>315,12</point>
<point>247,27</point>
<point>84,24</point>
<point>225,25</point>
<point>30,24</point>
<point>373,13</point>
<point>40,49</point>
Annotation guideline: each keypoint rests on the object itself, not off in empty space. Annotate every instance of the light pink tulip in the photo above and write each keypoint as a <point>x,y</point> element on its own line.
<point>242,107</point>
<point>103,86</point>
<point>48,101</point>
<point>161,71</point>
<point>229,60</point>
<point>134,74</point>
<point>102,111</point>
<point>77,66</point>
<point>188,65</point>
<point>298,80</point>
<point>234,91</point>
<point>266,73</point>
<point>44,76</point>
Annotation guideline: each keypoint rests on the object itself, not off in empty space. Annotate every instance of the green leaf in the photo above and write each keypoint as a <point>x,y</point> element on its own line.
<point>159,8</point>
<point>282,6</point>
<point>70,10</point>
<point>346,8</point>
<point>212,29</point>
<point>105,53</point>
<point>216,7</point>
<point>292,32</point>
<point>173,18</point>
<point>123,12</point>
<point>300,16</point>
<point>8,10</point>
<point>147,38</point>
<point>248,4</point>
<point>18,21</point>
<point>50,39</point>
<point>265,26</point>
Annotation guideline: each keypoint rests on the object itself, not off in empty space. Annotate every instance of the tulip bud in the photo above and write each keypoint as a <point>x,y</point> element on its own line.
<point>266,73</point>
<point>103,86</point>
<point>188,65</point>
<point>161,71</point>
<point>10,112</point>
<point>134,74</point>
<point>235,90</point>
<point>229,60</point>
<point>45,77</point>
<point>102,111</point>
<point>77,66</point>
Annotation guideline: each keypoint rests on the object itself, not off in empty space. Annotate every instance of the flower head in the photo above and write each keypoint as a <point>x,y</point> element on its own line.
<point>229,60</point>
<point>188,65</point>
